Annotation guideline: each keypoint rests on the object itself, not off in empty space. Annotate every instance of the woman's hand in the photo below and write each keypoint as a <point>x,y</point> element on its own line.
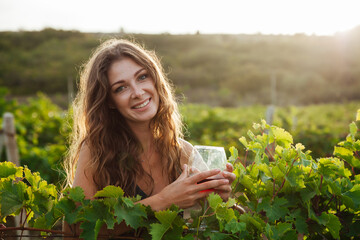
<point>225,190</point>
<point>185,191</point>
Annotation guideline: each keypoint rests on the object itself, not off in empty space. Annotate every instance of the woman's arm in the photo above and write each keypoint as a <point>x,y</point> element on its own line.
<point>84,174</point>
<point>84,179</point>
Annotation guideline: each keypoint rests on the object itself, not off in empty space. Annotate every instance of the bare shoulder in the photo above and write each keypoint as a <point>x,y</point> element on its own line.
<point>84,172</point>
<point>186,149</point>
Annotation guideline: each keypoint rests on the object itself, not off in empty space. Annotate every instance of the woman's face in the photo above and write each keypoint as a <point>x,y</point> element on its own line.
<point>133,91</point>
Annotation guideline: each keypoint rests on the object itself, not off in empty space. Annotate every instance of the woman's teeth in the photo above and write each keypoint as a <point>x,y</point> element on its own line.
<point>142,105</point>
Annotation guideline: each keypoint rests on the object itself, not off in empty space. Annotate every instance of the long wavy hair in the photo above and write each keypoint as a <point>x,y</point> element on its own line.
<point>114,149</point>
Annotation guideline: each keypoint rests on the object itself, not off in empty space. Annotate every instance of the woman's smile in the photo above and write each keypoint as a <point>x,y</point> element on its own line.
<point>142,105</point>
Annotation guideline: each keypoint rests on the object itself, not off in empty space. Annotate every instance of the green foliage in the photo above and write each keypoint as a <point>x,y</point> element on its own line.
<point>295,194</point>
<point>286,192</point>
<point>41,132</point>
<point>318,127</point>
<point>286,189</point>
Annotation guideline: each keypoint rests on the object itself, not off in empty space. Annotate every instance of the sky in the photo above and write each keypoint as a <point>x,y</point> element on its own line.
<point>319,17</point>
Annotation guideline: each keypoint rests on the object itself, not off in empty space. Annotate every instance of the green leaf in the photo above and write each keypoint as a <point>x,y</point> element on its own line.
<point>69,209</point>
<point>76,194</point>
<point>358,115</point>
<point>225,214</point>
<point>132,216</point>
<point>34,179</point>
<point>354,194</point>
<point>230,202</point>
<point>274,210</point>
<point>353,129</point>
<point>110,192</point>
<point>235,227</point>
<point>301,225</point>
<point>280,230</point>
<point>158,230</point>
<point>307,194</point>
<point>296,178</point>
<point>266,169</point>
<point>243,141</point>
<point>48,220</point>
<point>166,216</point>
<point>234,154</point>
<point>166,219</point>
<point>42,203</point>
<point>282,137</point>
<point>90,229</point>
<point>8,169</point>
<point>12,197</point>
<point>214,200</point>
<point>128,202</point>
<point>347,155</point>
<point>277,173</point>
<point>334,226</point>
<point>96,211</point>
<point>256,221</point>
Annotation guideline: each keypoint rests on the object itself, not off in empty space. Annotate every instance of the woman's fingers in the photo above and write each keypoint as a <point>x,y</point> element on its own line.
<point>185,172</point>
<point>229,175</point>
<point>229,167</point>
<point>223,188</point>
<point>214,183</point>
<point>203,175</point>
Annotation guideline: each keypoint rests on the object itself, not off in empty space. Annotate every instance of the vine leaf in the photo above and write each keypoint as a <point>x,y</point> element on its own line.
<point>166,219</point>
<point>69,209</point>
<point>347,155</point>
<point>9,169</point>
<point>283,231</point>
<point>131,215</point>
<point>296,178</point>
<point>274,210</point>
<point>110,191</point>
<point>12,195</point>
<point>334,226</point>
<point>235,227</point>
<point>90,229</point>
<point>280,136</point>
<point>354,194</point>
<point>214,200</point>
<point>93,216</point>
<point>76,194</point>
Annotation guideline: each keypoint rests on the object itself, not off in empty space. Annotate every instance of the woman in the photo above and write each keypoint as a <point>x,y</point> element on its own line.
<point>127,132</point>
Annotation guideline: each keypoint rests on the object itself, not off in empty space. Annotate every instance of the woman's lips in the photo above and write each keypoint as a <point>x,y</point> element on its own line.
<point>141,105</point>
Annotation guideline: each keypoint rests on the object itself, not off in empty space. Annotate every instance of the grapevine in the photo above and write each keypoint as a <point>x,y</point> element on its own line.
<point>287,194</point>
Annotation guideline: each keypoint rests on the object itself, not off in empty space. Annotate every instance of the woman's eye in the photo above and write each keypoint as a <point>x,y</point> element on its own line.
<point>119,89</point>
<point>143,77</point>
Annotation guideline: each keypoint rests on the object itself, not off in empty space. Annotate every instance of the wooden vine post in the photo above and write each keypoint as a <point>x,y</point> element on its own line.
<point>12,151</point>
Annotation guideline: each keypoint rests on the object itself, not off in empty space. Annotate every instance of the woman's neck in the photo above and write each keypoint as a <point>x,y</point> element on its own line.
<point>143,134</point>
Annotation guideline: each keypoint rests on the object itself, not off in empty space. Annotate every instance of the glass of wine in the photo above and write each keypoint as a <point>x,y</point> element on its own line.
<point>205,158</point>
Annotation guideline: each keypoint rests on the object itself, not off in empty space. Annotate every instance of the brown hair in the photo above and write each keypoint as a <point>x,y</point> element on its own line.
<point>114,148</point>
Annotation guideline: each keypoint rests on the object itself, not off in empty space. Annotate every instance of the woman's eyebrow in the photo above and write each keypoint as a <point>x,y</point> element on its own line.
<point>138,71</point>
<point>135,74</point>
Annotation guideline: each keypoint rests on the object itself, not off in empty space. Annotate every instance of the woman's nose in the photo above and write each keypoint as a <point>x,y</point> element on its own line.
<point>137,91</point>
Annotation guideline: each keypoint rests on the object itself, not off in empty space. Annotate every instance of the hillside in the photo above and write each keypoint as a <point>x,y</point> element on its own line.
<point>223,70</point>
